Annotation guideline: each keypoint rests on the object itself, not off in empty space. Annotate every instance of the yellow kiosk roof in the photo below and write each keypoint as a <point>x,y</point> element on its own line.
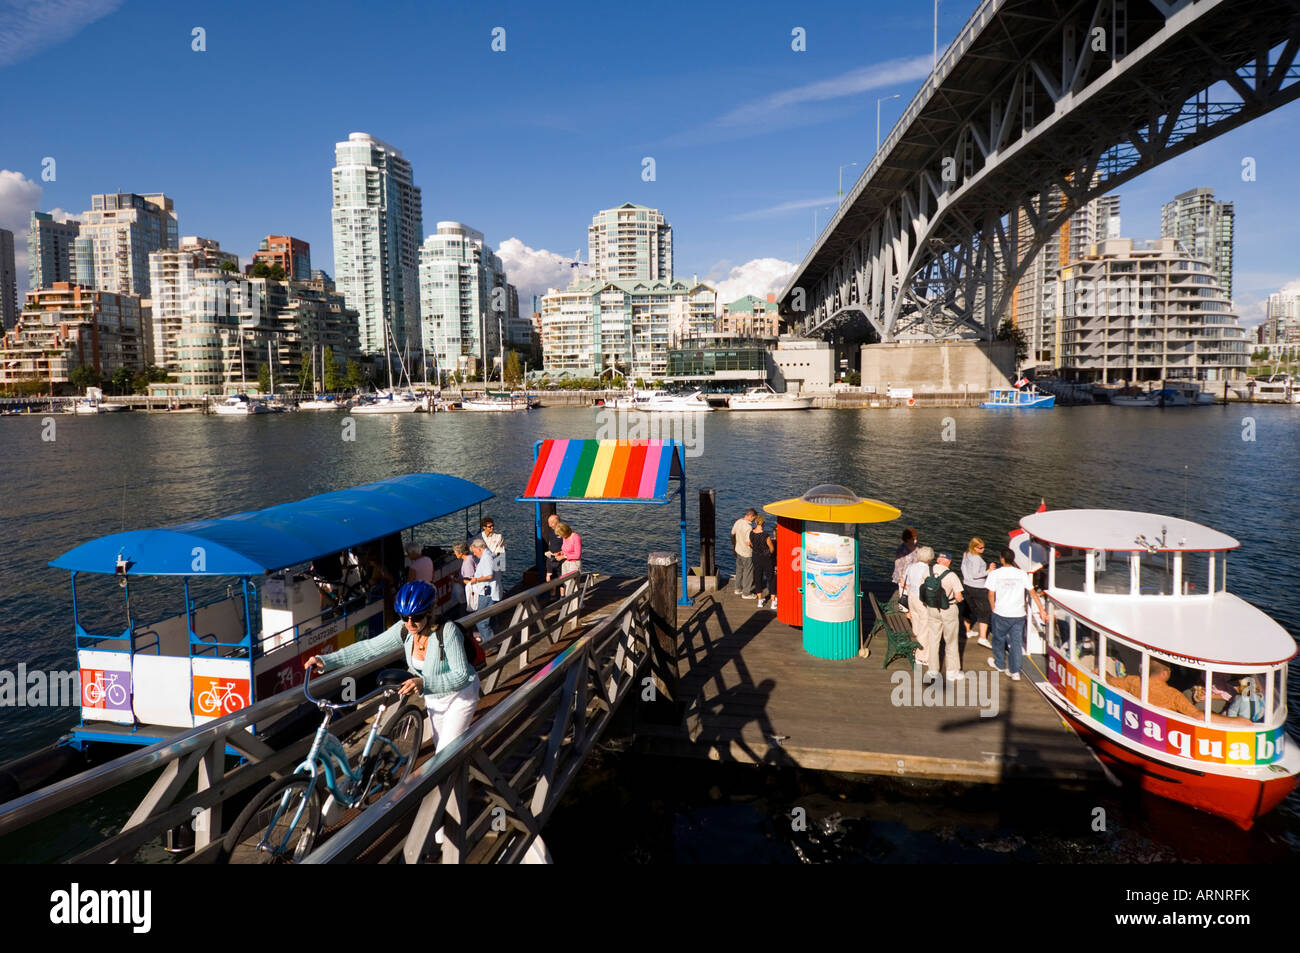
<point>829,503</point>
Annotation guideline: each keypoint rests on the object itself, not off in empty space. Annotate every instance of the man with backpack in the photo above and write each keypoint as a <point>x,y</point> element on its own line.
<point>925,621</point>
<point>942,592</point>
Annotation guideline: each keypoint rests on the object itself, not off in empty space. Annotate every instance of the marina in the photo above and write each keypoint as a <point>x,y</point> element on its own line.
<point>750,693</point>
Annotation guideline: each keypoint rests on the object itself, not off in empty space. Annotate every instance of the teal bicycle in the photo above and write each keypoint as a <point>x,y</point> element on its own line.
<point>283,823</point>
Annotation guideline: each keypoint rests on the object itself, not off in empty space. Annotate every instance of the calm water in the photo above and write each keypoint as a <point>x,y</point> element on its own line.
<point>125,471</point>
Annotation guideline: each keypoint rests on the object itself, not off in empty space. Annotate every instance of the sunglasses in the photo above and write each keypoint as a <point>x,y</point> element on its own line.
<point>411,618</point>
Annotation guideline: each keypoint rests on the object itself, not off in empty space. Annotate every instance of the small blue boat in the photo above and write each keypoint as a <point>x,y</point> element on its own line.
<point>1018,398</point>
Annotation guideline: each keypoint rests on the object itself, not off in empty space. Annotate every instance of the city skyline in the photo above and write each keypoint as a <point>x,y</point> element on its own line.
<point>731,170</point>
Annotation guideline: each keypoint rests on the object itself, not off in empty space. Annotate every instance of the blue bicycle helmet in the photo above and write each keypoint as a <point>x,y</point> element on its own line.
<point>414,598</point>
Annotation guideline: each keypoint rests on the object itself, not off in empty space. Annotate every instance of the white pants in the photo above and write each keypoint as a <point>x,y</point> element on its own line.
<point>574,566</point>
<point>450,715</point>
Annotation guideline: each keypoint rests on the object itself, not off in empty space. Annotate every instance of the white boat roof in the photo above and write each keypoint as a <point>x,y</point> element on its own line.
<point>1119,529</point>
<point>1223,628</point>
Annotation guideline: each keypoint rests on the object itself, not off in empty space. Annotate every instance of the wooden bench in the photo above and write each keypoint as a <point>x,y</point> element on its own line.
<point>897,629</point>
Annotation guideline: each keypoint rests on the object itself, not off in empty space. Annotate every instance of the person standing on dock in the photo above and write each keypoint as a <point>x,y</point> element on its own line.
<point>486,583</point>
<point>974,573</point>
<point>570,554</point>
<point>495,542</point>
<point>1009,586</point>
<point>760,545</point>
<point>740,544</point>
<point>925,621</point>
<point>460,591</point>
<point>551,540</point>
<point>904,556</point>
<point>949,617</point>
<point>419,566</point>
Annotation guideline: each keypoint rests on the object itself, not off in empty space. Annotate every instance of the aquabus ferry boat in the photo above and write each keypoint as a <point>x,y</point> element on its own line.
<point>1173,680</point>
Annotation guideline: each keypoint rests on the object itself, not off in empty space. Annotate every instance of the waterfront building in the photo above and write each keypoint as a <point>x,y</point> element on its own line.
<point>803,364</point>
<point>171,277</point>
<point>630,242</point>
<point>1205,228</point>
<point>50,247</point>
<point>67,326</point>
<point>719,362</point>
<point>233,324</point>
<point>622,327</point>
<point>116,236</point>
<point>1147,312</point>
<point>750,317</point>
<point>1035,298</point>
<point>8,281</point>
<point>293,255</point>
<point>1282,325</point>
<point>463,295</point>
<point>377,222</point>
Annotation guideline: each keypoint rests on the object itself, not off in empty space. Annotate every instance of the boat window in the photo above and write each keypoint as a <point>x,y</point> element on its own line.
<point>1110,571</point>
<point>1086,641</point>
<point>1059,629</point>
<point>1122,659</point>
<point>1247,700</point>
<point>1070,568</point>
<point>1196,574</point>
<point>1279,691</point>
<point>1156,574</point>
<point>1221,572</point>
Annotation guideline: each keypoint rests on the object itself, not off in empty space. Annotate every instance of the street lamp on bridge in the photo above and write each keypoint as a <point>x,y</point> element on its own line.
<point>839,193</point>
<point>878,102</point>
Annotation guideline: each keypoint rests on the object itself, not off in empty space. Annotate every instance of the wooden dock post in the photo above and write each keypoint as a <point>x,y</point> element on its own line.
<point>661,705</point>
<point>708,532</point>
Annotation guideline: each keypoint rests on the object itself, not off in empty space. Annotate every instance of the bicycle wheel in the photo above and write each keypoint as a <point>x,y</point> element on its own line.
<point>233,703</point>
<point>207,704</point>
<point>392,765</point>
<point>279,826</point>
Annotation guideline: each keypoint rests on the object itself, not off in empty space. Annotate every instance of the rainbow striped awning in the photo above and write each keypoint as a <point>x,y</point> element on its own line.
<point>608,471</point>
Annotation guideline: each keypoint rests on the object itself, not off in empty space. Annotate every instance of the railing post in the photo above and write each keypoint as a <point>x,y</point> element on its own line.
<point>708,532</point>
<point>660,706</point>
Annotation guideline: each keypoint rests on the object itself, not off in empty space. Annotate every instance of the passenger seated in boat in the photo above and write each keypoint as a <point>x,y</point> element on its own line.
<point>1249,702</point>
<point>1159,691</point>
<point>1219,697</point>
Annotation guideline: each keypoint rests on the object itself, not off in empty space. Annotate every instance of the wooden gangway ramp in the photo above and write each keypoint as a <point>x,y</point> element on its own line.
<point>750,693</point>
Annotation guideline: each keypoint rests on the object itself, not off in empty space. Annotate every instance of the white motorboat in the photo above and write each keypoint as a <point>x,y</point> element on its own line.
<point>495,403</point>
<point>239,405</point>
<point>661,401</point>
<point>87,406</point>
<point>1279,388</point>
<point>765,398</point>
<point>388,402</point>
<point>1147,399</point>
<point>1195,396</point>
<point>321,402</point>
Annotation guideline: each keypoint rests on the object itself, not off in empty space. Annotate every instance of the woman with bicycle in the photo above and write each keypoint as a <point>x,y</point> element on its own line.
<point>446,677</point>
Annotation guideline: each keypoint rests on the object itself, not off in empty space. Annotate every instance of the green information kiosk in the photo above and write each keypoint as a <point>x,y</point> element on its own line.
<point>828,565</point>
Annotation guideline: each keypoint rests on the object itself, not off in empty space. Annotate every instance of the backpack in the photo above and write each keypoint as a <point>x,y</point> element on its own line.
<point>473,648</point>
<point>932,593</point>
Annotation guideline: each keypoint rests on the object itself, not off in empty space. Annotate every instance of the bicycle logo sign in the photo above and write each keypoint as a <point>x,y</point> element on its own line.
<point>105,689</point>
<point>214,697</point>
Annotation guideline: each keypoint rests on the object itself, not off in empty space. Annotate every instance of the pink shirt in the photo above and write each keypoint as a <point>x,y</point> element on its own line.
<point>571,548</point>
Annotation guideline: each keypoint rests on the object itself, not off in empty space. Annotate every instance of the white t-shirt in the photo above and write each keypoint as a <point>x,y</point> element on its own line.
<point>740,531</point>
<point>912,580</point>
<point>1009,587</point>
<point>422,566</point>
<point>485,566</point>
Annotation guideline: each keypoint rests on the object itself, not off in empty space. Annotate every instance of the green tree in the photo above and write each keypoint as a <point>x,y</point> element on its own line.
<point>229,266</point>
<point>331,371</point>
<point>306,379</point>
<point>1009,332</point>
<point>353,378</point>
<point>264,378</point>
<point>123,381</point>
<point>275,272</point>
<point>260,270</point>
<point>514,369</point>
<point>84,376</point>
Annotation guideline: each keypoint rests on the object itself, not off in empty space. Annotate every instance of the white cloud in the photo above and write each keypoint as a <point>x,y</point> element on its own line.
<point>758,277</point>
<point>19,197</point>
<point>1252,306</point>
<point>534,270</point>
<point>774,211</point>
<point>28,28</point>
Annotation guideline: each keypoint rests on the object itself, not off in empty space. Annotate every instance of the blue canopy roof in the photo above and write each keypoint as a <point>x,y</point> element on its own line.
<point>262,541</point>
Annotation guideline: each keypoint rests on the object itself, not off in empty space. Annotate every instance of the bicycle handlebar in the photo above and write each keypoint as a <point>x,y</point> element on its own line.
<point>322,703</point>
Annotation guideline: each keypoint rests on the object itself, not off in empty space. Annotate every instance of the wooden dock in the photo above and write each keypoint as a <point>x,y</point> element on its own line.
<point>752,694</point>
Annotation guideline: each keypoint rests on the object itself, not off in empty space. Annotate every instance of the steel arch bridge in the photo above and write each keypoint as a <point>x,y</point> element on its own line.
<point>1076,95</point>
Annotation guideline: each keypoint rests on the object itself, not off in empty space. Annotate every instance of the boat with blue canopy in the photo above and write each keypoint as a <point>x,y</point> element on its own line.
<point>260,592</point>
<point>1023,396</point>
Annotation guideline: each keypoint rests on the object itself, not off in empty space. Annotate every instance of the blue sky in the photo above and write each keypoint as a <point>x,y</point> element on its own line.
<point>747,135</point>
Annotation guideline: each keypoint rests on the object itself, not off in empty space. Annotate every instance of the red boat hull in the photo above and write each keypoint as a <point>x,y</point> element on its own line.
<point>1237,799</point>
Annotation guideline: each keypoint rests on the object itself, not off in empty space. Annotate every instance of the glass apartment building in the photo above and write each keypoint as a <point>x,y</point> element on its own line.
<point>630,242</point>
<point>377,222</point>
<point>1148,313</point>
<point>50,247</point>
<point>461,318</point>
<point>1204,228</point>
<point>116,236</point>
